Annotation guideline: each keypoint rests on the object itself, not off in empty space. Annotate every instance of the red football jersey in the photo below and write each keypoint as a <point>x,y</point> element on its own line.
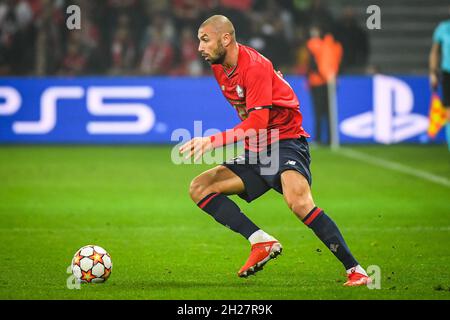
<point>253,84</point>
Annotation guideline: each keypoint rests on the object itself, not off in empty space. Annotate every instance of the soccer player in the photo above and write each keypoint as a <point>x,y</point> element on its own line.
<point>264,101</point>
<point>440,50</point>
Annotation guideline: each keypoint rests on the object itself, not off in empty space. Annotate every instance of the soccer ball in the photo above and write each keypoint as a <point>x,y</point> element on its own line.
<point>91,264</point>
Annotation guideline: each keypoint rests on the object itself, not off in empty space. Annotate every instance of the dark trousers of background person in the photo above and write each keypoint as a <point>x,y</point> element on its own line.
<point>321,113</point>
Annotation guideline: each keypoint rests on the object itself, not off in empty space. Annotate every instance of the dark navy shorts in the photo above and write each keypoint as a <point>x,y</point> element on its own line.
<point>261,172</point>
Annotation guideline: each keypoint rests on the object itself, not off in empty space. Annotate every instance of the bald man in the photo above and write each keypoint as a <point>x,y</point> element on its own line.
<point>271,126</point>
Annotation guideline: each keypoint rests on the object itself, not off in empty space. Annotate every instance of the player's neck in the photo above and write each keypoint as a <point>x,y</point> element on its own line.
<point>231,59</point>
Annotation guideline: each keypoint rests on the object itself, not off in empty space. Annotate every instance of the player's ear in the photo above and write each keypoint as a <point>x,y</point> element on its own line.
<point>226,39</point>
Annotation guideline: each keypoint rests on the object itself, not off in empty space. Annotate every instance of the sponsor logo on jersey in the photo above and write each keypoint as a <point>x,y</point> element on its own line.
<point>239,91</point>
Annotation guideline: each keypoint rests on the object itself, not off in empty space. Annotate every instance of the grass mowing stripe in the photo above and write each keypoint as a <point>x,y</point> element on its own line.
<point>353,154</point>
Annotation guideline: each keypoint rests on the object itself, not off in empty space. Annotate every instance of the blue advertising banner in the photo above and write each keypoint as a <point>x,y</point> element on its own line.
<point>378,109</point>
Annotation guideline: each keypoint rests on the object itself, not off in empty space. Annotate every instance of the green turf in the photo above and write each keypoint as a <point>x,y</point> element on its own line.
<point>134,202</point>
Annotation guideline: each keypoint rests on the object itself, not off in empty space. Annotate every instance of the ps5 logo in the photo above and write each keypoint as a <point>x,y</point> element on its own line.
<point>391,120</point>
<point>96,105</point>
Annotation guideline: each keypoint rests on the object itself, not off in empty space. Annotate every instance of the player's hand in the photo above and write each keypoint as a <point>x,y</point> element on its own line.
<point>280,74</point>
<point>196,147</point>
<point>434,80</point>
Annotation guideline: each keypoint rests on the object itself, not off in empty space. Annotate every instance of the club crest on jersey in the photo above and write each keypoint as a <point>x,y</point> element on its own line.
<point>239,91</point>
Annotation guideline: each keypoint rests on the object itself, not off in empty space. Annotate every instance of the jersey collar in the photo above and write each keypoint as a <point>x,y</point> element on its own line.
<point>231,72</point>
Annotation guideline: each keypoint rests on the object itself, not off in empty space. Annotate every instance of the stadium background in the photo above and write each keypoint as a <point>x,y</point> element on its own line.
<point>387,185</point>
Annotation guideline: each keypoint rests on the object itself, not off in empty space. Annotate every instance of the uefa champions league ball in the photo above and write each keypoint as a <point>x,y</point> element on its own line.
<point>91,264</point>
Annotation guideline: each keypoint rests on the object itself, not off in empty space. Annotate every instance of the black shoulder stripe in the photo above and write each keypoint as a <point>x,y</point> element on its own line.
<point>259,108</point>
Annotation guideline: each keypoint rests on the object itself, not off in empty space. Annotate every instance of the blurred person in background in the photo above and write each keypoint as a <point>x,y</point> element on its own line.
<point>189,13</point>
<point>123,48</point>
<point>439,63</point>
<point>318,14</point>
<point>158,56</point>
<point>50,39</point>
<point>91,38</point>
<point>240,11</point>
<point>161,22</point>
<point>17,34</point>
<point>276,30</point>
<point>325,55</point>
<point>355,42</point>
<point>301,54</point>
<point>128,16</point>
<point>189,63</point>
<point>157,5</point>
<point>74,62</point>
<point>8,28</point>
<point>82,48</point>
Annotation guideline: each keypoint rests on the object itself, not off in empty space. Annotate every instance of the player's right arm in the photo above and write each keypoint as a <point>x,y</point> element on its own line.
<point>257,120</point>
<point>196,147</point>
<point>258,91</point>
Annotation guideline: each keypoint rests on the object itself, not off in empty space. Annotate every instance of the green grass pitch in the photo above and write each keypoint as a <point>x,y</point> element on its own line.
<point>134,202</point>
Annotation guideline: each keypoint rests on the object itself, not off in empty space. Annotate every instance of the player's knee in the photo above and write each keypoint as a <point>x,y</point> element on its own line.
<point>199,189</point>
<point>300,206</point>
<point>195,190</point>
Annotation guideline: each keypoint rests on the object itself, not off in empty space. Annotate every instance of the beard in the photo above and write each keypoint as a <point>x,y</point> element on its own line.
<point>218,56</point>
